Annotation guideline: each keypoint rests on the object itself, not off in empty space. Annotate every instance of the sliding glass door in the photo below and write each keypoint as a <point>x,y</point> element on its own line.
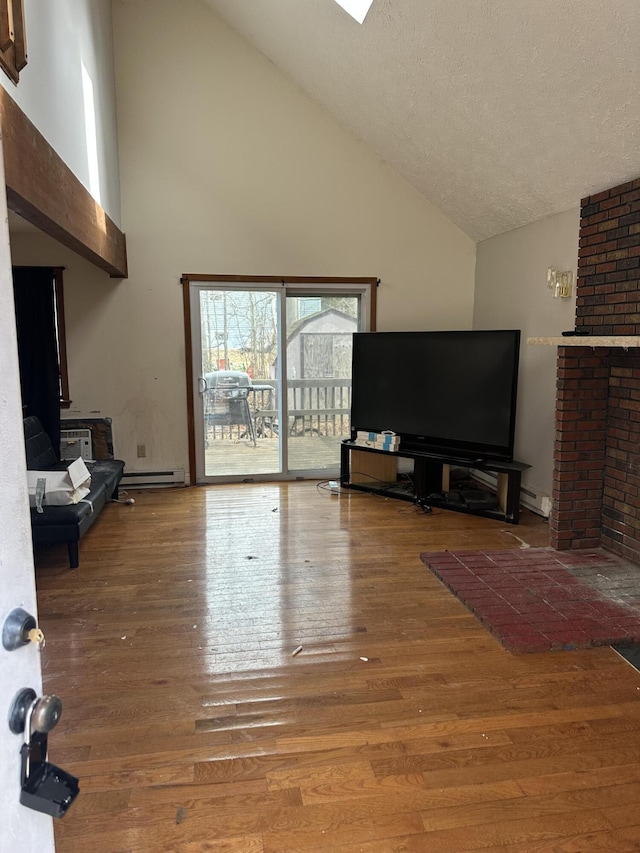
<point>318,381</point>
<point>271,375</point>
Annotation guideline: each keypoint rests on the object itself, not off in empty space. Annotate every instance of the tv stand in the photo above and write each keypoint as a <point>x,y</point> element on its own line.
<point>431,479</point>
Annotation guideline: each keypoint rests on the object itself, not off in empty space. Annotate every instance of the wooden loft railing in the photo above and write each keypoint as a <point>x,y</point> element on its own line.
<point>43,190</point>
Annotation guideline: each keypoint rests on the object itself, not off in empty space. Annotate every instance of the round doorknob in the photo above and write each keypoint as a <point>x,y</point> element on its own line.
<point>34,715</point>
<point>45,714</point>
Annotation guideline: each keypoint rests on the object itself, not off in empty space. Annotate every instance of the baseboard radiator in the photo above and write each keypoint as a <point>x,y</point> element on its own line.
<point>152,479</point>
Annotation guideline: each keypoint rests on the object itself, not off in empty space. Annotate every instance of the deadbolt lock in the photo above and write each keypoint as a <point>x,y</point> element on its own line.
<point>19,629</point>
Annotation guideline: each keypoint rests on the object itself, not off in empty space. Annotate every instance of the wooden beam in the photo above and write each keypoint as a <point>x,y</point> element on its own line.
<point>13,45</point>
<point>20,50</point>
<point>6,29</point>
<point>43,190</point>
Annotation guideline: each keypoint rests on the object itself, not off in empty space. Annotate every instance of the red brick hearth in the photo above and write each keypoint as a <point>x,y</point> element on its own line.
<point>596,489</point>
<point>538,600</point>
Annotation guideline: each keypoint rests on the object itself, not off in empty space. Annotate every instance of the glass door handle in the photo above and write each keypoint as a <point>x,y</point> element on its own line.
<point>202,385</point>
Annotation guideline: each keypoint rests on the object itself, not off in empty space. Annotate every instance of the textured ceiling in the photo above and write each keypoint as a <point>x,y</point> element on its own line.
<point>500,112</point>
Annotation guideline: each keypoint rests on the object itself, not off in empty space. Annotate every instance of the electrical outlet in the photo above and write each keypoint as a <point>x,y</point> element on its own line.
<point>142,450</point>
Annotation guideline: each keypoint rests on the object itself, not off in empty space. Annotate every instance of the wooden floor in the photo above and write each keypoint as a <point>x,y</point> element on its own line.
<point>401,725</point>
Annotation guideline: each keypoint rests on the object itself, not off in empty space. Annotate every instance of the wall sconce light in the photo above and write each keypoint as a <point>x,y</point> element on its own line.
<point>560,283</point>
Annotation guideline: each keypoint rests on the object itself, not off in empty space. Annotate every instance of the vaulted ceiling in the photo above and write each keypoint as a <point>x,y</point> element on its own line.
<point>500,112</point>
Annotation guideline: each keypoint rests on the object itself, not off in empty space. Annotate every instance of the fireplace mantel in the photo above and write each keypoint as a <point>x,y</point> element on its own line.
<point>622,341</point>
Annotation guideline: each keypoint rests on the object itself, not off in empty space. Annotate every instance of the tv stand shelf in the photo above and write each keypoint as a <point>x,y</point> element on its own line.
<point>430,478</point>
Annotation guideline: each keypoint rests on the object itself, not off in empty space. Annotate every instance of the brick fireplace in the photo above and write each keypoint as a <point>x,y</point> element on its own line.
<point>596,486</point>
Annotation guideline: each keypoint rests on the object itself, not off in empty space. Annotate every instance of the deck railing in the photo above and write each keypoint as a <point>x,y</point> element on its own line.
<point>315,407</point>
<point>319,406</point>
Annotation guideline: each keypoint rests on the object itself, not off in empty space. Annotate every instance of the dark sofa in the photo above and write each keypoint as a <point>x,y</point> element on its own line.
<point>68,523</point>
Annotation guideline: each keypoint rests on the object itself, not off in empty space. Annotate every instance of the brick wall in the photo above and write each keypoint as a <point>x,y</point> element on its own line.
<point>580,447</point>
<point>596,489</point>
<point>608,294</point>
<point>621,493</point>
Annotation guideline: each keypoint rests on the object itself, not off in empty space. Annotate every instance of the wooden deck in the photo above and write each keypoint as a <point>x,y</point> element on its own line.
<point>401,725</point>
<point>229,457</point>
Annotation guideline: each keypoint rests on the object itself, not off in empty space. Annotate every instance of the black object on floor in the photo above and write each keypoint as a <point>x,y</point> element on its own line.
<point>630,653</point>
<point>478,499</point>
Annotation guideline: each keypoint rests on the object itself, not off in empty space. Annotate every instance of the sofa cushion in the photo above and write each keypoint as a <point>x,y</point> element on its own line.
<point>40,452</point>
<point>55,516</point>
<point>107,472</point>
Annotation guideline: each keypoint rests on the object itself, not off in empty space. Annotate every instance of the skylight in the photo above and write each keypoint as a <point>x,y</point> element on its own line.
<point>356,8</point>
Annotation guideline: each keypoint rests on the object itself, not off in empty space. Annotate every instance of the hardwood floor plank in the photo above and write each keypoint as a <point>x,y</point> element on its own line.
<point>623,815</point>
<point>608,841</point>
<point>106,779</point>
<point>524,833</point>
<point>360,822</point>
<point>242,844</point>
<point>524,807</point>
<point>598,777</point>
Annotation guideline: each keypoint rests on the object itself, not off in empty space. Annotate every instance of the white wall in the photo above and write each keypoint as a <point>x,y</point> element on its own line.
<point>228,168</point>
<point>63,36</point>
<point>511,292</point>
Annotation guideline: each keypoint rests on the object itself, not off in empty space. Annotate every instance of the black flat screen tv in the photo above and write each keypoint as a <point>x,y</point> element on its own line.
<point>448,393</point>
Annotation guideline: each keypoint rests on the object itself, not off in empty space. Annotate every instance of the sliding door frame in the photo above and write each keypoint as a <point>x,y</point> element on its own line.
<point>330,284</point>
